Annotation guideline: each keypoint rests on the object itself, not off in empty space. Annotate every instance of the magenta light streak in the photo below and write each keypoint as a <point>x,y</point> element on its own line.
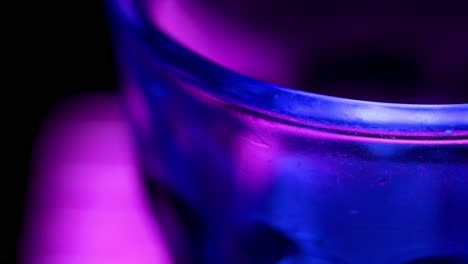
<point>86,204</point>
<point>217,38</point>
<point>250,151</point>
<point>307,132</point>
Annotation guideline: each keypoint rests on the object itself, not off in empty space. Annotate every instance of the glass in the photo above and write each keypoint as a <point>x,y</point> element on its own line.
<point>244,171</point>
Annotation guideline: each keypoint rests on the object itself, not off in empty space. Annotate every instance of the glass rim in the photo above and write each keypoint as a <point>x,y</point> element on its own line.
<point>293,106</point>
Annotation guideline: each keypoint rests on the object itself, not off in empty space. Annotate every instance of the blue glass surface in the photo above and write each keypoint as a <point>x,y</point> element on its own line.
<point>243,171</point>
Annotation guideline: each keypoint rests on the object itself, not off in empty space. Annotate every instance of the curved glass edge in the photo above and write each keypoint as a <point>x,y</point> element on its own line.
<point>329,113</point>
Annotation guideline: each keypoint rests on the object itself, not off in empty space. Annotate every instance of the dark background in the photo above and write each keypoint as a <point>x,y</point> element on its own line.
<point>61,49</point>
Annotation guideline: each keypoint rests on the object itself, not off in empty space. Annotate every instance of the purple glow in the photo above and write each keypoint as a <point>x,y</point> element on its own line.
<point>286,45</point>
<point>86,203</point>
<point>257,163</point>
<point>217,38</point>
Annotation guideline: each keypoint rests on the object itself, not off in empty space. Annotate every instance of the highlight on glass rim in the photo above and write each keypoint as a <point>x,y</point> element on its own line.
<point>263,132</point>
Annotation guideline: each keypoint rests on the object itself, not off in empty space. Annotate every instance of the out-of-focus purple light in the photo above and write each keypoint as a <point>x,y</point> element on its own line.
<point>86,203</point>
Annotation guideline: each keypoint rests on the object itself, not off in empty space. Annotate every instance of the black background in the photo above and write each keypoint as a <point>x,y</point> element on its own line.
<point>60,49</point>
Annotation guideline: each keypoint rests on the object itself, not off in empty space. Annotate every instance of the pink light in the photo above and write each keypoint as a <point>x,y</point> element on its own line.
<point>86,203</point>
<point>217,38</point>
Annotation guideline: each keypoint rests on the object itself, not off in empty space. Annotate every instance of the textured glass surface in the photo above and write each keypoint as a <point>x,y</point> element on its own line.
<point>242,171</point>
